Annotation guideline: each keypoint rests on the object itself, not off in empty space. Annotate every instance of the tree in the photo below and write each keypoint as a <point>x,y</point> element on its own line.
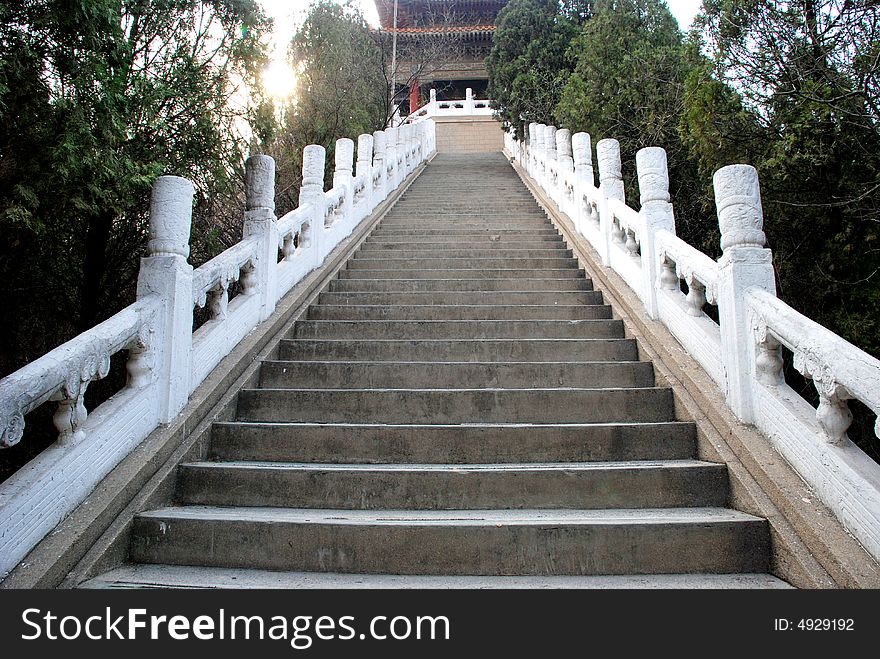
<point>807,71</point>
<point>340,90</point>
<point>630,64</point>
<point>527,65</point>
<point>97,99</point>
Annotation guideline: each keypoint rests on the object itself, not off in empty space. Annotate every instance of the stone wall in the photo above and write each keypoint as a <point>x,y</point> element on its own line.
<point>468,134</point>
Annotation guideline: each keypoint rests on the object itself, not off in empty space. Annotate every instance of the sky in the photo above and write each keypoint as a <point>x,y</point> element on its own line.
<point>288,13</point>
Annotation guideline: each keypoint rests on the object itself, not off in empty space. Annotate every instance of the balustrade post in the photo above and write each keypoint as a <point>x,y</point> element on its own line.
<point>540,155</point>
<point>582,158</point>
<point>564,165</point>
<point>532,151</point>
<point>391,173</point>
<point>432,111</point>
<point>403,151</point>
<point>469,101</point>
<point>380,190</point>
<point>342,174</point>
<point>406,132</point>
<point>551,168</point>
<point>426,139</point>
<point>745,263</point>
<point>564,151</point>
<point>166,274</point>
<point>610,187</point>
<point>311,192</point>
<point>432,136</point>
<point>656,214</point>
<point>364,172</point>
<point>260,223</point>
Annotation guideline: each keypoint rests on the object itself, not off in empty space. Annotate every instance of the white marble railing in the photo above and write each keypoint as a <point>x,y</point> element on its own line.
<point>742,351</point>
<point>167,360</point>
<point>467,106</point>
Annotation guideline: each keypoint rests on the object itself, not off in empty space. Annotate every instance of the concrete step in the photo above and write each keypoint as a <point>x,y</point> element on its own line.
<point>487,239</point>
<point>455,406</point>
<point>392,263</point>
<point>402,232</point>
<point>177,576</point>
<point>488,253</point>
<point>451,249</point>
<point>454,375</point>
<point>461,542</point>
<point>417,210</point>
<point>463,273</point>
<point>457,329</point>
<point>443,285</point>
<point>458,405</point>
<point>472,224</point>
<point>457,350</point>
<point>363,443</point>
<point>587,298</point>
<point>585,486</point>
<point>457,312</point>
<point>475,199</point>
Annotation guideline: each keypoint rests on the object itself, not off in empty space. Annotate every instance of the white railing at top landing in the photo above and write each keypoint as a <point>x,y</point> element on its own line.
<point>742,352</point>
<point>166,359</point>
<point>466,107</point>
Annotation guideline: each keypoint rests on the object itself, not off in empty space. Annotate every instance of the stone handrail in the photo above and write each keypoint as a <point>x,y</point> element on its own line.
<point>468,106</point>
<point>64,374</point>
<point>167,360</point>
<point>740,351</point>
<point>216,274</point>
<point>838,369</point>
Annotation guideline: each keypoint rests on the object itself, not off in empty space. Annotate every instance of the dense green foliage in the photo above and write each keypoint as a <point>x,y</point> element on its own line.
<point>628,81</point>
<point>790,87</point>
<point>341,90</point>
<point>98,98</point>
<point>808,72</point>
<point>527,65</point>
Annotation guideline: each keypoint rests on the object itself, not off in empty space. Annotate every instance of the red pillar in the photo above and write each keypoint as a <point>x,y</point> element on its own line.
<point>414,101</point>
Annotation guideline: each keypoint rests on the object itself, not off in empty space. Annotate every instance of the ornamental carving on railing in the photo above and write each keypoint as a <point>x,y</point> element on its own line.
<point>738,198</point>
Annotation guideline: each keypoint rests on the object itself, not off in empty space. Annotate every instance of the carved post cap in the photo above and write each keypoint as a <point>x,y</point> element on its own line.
<point>469,94</point>
<point>170,216</point>
<point>391,136</point>
<point>433,95</point>
<point>610,170</point>
<point>738,200</point>
<point>314,156</point>
<point>653,174</point>
<point>539,133</point>
<point>608,157</point>
<point>365,147</point>
<point>563,142</point>
<point>379,142</point>
<point>344,154</point>
<point>259,182</point>
<point>581,147</point>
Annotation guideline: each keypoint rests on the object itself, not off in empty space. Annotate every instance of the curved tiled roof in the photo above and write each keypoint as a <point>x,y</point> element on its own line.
<point>424,13</point>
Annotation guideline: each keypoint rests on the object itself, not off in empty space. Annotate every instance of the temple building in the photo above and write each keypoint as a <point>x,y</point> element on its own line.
<point>439,43</point>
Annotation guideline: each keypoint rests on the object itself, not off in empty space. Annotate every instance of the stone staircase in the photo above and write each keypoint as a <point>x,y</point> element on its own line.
<point>459,408</point>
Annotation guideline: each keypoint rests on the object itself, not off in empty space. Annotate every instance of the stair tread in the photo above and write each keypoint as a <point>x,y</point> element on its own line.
<point>359,424</point>
<point>456,467</point>
<point>527,517</point>
<point>182,576</point>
